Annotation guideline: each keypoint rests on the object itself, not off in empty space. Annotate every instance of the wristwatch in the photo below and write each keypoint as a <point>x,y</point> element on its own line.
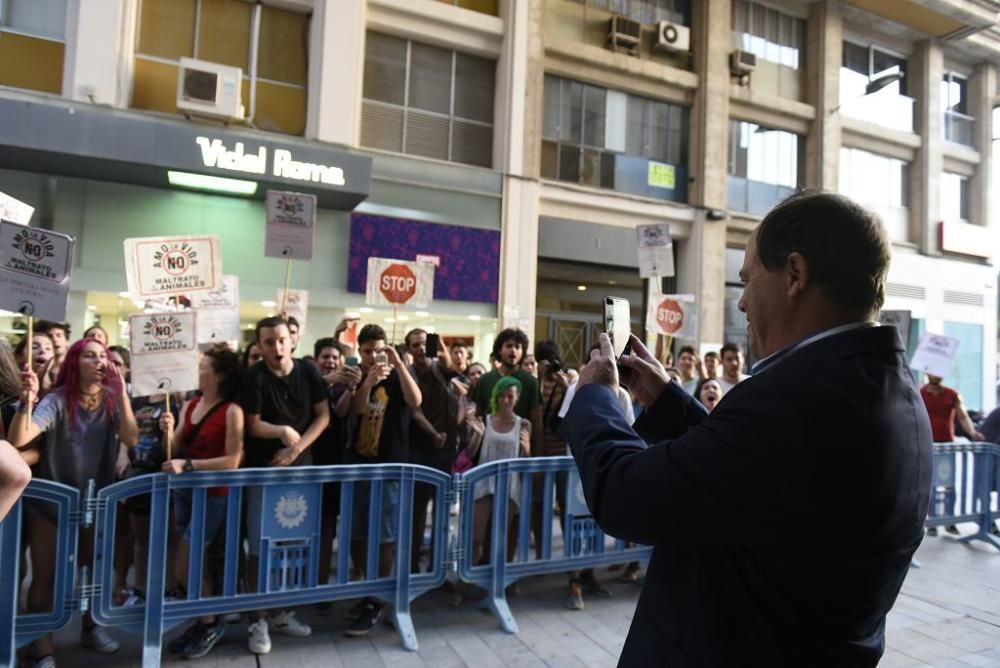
<point>188,466</point>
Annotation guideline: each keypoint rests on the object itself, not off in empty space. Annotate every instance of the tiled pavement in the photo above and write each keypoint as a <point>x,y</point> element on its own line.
<point>948,615</point>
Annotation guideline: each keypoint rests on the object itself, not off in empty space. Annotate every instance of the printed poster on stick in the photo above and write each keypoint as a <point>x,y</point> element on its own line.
<point>34,271</point>
<point>218,312</point>
<point>15,210</point>
<point>672,315</point>
<point>164,353</point>
<point>399,283</point>
<point>162,266</point>
<point>656,250</point>
<point>296,305</point>
<point>935,354</point>
<point>291,225</point>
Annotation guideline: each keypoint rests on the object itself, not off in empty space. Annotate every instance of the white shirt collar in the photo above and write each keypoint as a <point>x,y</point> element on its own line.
<point>770,360</point>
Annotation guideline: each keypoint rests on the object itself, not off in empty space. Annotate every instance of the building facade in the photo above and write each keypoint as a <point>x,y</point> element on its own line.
<point>518,143</point>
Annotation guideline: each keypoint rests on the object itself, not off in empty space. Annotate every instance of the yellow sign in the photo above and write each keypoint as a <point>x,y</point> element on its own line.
<point>661,175</point>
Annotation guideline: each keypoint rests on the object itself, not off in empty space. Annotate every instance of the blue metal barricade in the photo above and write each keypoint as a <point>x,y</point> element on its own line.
<point>46,502</point>
<point>962,485</point>
<point>584,544</point>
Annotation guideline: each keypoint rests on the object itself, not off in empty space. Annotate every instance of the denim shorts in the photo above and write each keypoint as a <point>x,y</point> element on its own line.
<point>215,514</point>
<point>388,523</point>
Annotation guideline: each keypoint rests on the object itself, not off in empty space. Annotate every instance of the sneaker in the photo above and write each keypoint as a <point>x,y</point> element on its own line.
<point>373,614</point>
<point>574,599</point>
<point>259,641</point>
<point>513,589</point>
<point>181,642</point>
<point>631,574</point>
<point>952,529</point>
<point>323,609</point>
<point>285,622</point>
<point>355,611</point>
<point>133,598</point>
<point>932,532</point>
<point>45,662</point>
<point>98,640</point>
<point>994,530</point>
<point>596,588</point>
<point>209,635</point>
<point>232,618</point>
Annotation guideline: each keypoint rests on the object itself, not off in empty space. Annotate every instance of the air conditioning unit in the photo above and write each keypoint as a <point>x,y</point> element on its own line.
<point>624,34</point>
<point>742,63</point>
<point>210,89</point>
<point>673,37</point>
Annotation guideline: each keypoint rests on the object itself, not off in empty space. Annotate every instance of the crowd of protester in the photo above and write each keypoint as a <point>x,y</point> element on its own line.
<point>265,407</point>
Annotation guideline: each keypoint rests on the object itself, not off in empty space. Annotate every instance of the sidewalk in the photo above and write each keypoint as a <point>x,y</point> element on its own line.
<point>948,616</point>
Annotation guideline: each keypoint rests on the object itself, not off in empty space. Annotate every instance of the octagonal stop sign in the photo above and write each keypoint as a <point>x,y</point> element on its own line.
<point>670,316</point>
<point>397,283</point>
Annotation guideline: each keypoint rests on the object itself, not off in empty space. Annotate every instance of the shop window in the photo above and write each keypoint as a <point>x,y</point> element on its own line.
<point>221,31</point>
<point>491,7</point>
<point>428,101</point>
<point>647,11</point>
<point>764,166</point>
<point>880,182</point>
<point>967,370</point>
<point>958,124</point>
<point>954,197</point>
<point>33,44</point>
<point>609,139</point>
<point>779,42</point>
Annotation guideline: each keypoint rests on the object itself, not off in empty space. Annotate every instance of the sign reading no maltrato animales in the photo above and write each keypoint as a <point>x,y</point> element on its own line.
<point>399,283</point>
<point>35,269</point>
<point>159,266</point>
<point>656,250</point>
<point>672,315</point>
<point>291,225</point>
<point>164,353</point>
<point>935,354</point>
<point>218,312</point>
<point>296,305</point>
<point>15,210</point>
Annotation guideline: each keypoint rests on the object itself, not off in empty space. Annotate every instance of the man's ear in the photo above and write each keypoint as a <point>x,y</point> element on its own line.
<point>796,275</point>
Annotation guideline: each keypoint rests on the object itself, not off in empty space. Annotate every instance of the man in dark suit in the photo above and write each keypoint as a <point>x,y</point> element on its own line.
<point>783,523</point>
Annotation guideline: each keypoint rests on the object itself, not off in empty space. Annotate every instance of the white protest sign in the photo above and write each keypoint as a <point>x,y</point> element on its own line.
<point>161,266</point>
<point>672,315</point>
<point>296,305</point>
<point>15,210</point>
<point>34,271</point>
<point>164,353</point>
<point>935,354</point>
<point>399,283</point>
<point>656,250</point>
<point>218,312</point>
<point>291,225</point>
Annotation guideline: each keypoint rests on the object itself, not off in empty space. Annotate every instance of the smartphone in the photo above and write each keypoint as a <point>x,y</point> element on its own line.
<point>352,361</point>
<point>433,345</point>
<point>618,326</point>
<point>381,358</point>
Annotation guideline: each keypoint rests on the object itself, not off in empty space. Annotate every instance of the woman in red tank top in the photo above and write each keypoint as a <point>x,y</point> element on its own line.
<point>210,437</point>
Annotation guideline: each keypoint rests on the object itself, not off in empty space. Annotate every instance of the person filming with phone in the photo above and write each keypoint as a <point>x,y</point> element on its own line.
<point>783,523</point>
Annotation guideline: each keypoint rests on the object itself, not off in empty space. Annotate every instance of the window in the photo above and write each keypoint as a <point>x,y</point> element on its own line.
<point>879,182</point>
<point>428,101</point>
<point>221,31</point>
<point>33,44</point>
<point>491,7</point>
<point>958,124</point>
<point>647,11</point>
<point>763,166</point>
<point>874,85</point>
<point>954,197</point>
<point>770,34</point>
<point>610,139</point>
<point>967,370</point>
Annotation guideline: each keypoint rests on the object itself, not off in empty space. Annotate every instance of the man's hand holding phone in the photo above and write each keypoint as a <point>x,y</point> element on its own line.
<point>647,377</point>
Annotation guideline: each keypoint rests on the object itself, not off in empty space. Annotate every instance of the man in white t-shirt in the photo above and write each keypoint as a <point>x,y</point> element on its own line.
<point>732,366</point>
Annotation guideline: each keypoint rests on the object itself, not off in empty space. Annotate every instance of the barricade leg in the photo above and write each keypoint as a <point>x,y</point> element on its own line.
<point>152,632</point>
<point>981,487</point>
<point>10,554</point>
<point>497,599</point>
<point>404,538</point>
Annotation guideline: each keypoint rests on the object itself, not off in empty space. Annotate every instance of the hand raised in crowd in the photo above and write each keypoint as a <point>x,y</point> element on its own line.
<point>46,378</point>
<point>345,375</point>
<point>394,360</point>
<point>29,385</point>
<point>166,422</point>
<point>116,381</point>
<point>175,466</point>
<point>601,369</point>
<point>525,439</point>
<point>377,374</point>
<point>648,377</point>
<point>460,387</point>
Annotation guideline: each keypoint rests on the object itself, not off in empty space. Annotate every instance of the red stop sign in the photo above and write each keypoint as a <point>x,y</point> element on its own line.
<point>670,316</point>
<point>397,283</point>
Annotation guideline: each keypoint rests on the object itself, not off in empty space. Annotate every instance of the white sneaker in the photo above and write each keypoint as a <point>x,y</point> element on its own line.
<point>285,622</point>
<point>259,641</point>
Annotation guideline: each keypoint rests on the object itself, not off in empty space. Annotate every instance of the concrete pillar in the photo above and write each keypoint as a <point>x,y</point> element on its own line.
<point>824,54</point>
<point>704,262</point>
<point>336,71</point>
<point>95,42</point>
<point>519,253</point>
<point>982,91</point>
<point>927,64</point>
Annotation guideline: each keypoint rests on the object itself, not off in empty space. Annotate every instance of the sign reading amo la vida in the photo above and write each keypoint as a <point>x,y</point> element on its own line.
<point>215,154</point>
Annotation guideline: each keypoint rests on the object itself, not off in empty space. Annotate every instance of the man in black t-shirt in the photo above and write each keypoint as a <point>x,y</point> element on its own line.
<point>287,410</point>
<point>380,420</point>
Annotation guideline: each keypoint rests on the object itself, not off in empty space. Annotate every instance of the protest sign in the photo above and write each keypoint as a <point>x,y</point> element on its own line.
<point>15,210</point>
<point>291,225</point>
<point>162,266</point>
<point>935,354</point>
<point>164,353</point>
<point>34,271</point>
<point>296,304</point>
<point>218,312</point>
<point>399,283</point>
<point>656,250</point>
<point>672,315</point>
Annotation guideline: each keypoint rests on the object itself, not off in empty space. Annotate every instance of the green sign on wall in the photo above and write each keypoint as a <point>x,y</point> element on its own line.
<point>662,175</point>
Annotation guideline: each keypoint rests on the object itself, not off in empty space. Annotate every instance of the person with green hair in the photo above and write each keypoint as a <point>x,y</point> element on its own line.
<point>507,436</point>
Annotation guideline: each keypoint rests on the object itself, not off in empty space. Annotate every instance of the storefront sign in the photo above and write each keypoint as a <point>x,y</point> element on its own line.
<point>15,210</point>
<point>672,315</point>
<point>34,271</point>
<point>935,354</point>
<point>656,250</point>
<point>216,155</point>
<point>291,225</point>
<point>399,283</point>
<point>159,266</point>
<point>164,353</point>
<point>218,312</point>
<point>661,175</point>
<point>296,305</point>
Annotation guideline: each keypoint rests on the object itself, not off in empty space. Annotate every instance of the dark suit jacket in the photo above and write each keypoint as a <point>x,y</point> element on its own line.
<point>783,523</point>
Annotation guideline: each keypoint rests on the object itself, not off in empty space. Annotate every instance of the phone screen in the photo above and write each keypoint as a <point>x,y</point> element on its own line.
<point>617,323</point>
<point>433,343</point>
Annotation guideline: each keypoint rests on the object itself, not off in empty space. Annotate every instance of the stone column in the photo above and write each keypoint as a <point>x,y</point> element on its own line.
<point>927,65</point>
<point>336,71</point>
<point>95,41</point>
<point>982,92</point>
<point>824,54</point>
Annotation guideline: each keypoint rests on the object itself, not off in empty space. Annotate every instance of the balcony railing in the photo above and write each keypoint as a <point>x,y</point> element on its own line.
<point>887,110</point>
<point>754,197</point>
<point>958,128</point>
